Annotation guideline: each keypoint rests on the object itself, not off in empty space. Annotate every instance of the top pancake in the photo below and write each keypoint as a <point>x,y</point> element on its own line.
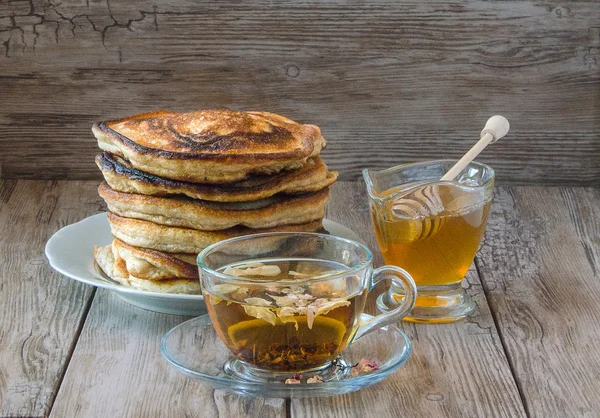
<point>210,146</point>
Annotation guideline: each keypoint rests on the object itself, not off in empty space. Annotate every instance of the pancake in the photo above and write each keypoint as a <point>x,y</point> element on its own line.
<point>210,146</point>
<point>122,176</point>
<point>147,264</point>
<point>106,261</point>
<point>213,216</point>
<point>172,239</point>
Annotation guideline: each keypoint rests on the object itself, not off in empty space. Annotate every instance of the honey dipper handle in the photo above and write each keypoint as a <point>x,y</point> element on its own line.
<point>495,128</point>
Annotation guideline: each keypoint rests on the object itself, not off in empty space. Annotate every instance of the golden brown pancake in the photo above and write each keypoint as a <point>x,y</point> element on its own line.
<point>210,146</point>
<point>172,239</point>
<point>147,264</point>
<point>105,259</point>
<point>122,176</point>
<point>214,216</point>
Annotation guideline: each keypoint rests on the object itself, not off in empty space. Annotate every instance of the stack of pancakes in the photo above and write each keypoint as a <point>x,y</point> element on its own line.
<point>176,183</point>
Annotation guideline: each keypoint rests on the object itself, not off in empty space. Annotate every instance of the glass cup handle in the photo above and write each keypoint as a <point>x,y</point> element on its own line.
<point>402,279</point>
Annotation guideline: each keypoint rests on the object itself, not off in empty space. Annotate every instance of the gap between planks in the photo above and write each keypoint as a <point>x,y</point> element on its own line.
<point>502,338</point>
<point>69,356</point>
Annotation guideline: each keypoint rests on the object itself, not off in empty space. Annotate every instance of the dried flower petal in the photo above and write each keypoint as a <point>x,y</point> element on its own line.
<point>254,271</point>
<point>230,271</point>
<point>322,288</point>
<point>315,379</point>
<point>215,300</point>
<point>286,319</point>
<point>287,311</point>
<point>267,270</point>
<point>250,265</point>
<point>367,366</point>
<point>286,315</point>
<point>363,367</point>
<point>294,380</point>
<point>257,302</point>
<point>225,288</point>
<point>311,313</point>
<point>331,305</point>
<point>241,292</point>
<point>261,313</point>
<point>282,301</point>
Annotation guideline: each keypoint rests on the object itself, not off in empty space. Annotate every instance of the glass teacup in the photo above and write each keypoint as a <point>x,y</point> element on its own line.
<point>432,229</point>
<point>287,303</point>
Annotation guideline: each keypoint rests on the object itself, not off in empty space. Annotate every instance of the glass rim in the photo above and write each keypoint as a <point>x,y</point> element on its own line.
<point>370,187</point>
<point>367,259</point>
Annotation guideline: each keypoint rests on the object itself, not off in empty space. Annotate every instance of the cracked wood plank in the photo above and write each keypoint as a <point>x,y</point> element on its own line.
<point>40,311</point>
<point>117,371</point>
<point>387,82</point>
<point>457,369</point>
<point>540,263</point>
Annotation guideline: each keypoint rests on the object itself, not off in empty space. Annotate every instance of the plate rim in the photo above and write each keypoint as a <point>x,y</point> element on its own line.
<point>98,281</point>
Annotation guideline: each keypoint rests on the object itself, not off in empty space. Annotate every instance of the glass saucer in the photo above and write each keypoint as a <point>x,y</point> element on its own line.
<point>194,348</point>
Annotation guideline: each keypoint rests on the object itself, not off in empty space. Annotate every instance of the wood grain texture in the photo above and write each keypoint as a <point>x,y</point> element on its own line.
<point>540,264</point>
<point>455,369</point>
<point>40,311</point>
<point>117,371</point>
<point>388,82</point>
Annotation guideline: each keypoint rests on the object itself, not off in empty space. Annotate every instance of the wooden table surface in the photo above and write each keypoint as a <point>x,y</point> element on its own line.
<point>531,348</point>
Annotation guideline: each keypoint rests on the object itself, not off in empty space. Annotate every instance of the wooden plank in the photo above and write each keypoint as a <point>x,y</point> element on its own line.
<point>117,371</point>
<point>455,370</point>
<point>540,264</point>
<point>41,312</point>
<point>388,82</point>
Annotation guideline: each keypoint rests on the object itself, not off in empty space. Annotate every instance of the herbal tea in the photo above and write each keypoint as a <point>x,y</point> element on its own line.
<point>285,327</point>
<point>436,249</point>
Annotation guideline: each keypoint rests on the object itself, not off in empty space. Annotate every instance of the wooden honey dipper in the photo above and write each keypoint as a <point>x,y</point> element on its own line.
<point>425,203</point>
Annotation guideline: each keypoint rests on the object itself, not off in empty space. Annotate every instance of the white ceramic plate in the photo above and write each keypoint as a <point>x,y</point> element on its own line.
<point>69,252</point>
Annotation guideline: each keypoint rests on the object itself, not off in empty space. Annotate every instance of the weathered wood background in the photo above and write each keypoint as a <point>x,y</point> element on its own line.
<point>388,82</point>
